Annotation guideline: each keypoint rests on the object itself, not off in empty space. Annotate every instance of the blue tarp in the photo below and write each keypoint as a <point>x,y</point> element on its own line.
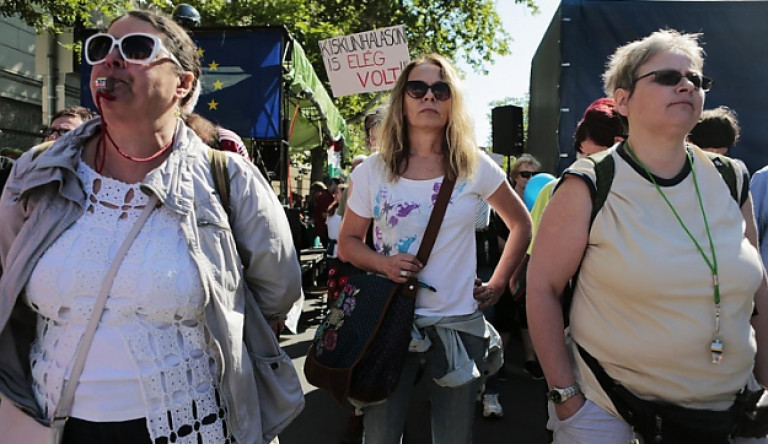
<point>566,71</point>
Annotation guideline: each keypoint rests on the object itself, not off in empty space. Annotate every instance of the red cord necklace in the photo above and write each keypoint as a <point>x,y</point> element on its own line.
<point>101,146</point>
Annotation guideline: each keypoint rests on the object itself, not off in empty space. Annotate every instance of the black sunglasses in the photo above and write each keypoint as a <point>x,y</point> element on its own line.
<point>527,174</point>
<point>670,77</point>
<point>58,131</point>
<point>418,89</point>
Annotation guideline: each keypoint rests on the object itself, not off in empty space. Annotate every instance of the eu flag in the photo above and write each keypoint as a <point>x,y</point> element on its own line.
<point>241,80</point>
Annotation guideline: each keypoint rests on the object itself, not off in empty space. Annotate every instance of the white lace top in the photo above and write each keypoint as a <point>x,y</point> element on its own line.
<point>150,355</point>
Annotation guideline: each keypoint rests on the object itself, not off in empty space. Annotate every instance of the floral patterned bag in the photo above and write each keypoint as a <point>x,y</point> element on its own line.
<point>360,347</point>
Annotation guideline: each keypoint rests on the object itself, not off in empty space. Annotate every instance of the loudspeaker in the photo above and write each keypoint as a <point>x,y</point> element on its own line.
<point>507,127</point>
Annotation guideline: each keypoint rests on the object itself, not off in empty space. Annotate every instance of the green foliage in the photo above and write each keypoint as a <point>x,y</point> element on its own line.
<point>467,29</point>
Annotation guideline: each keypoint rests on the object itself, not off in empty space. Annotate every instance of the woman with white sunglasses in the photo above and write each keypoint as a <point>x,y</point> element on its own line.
<point>174,358</point>
<point>425,138</point>
<point>668,321</point>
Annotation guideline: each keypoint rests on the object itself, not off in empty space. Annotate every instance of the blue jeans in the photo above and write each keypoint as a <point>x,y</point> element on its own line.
<point>452,409</point>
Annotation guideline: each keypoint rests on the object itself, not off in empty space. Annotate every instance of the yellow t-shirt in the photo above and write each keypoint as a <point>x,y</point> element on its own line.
<point>538,209</point>
<point>644,304</point>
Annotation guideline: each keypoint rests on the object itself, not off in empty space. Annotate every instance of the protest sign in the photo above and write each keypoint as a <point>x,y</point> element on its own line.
<point>365,62</point>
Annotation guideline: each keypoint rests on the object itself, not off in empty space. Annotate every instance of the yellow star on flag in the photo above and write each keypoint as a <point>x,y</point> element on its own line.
<point>213,65</point>
<point>200,52</point>
<point>213,105</point>
<point>217,85</point>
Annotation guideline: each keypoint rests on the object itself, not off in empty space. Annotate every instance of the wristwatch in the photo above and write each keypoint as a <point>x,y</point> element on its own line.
<point>560,395</point>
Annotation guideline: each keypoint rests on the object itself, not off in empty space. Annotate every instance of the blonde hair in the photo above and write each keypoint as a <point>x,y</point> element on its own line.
<point>459,146</point>
<point>622,66</point>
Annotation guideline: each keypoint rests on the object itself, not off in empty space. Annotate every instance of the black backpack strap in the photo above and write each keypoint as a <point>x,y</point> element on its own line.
<point>617,393</point>
<point>727,169</point>
<point>220,173</point>
<point>605,170</point>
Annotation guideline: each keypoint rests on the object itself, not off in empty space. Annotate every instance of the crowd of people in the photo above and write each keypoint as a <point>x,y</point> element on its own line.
<point>635,281</point>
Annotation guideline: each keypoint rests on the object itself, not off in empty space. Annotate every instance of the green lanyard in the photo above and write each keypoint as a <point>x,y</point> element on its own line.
<point>716,347</point>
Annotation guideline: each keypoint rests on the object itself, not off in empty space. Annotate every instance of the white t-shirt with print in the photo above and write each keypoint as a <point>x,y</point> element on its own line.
<point>400,211</point>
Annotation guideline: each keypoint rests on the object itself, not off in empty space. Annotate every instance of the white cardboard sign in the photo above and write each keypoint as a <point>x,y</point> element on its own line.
<point>365,62</point>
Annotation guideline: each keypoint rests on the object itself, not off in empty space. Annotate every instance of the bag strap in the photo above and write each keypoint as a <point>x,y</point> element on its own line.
<point>605,170</point>
<point>608,385</point>
<point>430,234</point>
<point>727,170</point>
<point>64,407</point>
<point>220,172</point>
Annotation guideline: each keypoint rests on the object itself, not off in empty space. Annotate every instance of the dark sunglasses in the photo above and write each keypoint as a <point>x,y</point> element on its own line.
<point>58,131</point>
<point>418,89</point>
<point>139,48</point>
<point>527,174</point>
<point>670,77</point>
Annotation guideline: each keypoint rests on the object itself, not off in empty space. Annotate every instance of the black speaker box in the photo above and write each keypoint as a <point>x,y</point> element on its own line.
<point>507,128</point>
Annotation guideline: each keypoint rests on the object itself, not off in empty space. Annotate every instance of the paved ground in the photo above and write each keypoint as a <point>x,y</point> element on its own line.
<point>322,421</point>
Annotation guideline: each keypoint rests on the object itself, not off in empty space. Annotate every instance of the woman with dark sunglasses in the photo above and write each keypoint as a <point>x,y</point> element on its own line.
<point>185,334</point>
<point>525,167</point>
<point>668,270</point>
<point>427,136</point>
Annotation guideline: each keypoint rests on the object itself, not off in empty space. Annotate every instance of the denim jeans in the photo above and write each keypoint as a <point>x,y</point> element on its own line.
<point>452,409</point>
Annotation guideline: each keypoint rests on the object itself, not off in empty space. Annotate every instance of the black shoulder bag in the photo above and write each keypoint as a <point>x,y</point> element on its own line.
<point>360,347</point>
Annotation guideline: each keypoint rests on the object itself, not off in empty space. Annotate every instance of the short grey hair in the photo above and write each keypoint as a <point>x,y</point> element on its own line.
<point>524,159</point>
<point>622,66</point>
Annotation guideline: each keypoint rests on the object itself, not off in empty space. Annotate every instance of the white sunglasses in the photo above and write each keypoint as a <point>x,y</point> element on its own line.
<point>139,48</point>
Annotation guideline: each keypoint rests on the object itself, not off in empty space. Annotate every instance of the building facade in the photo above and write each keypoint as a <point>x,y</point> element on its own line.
<point>36,80</point>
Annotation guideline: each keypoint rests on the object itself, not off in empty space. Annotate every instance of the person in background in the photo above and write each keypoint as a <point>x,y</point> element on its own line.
<point>525,167</point>
<point>215,136</point>
<point>488,248</point>
<point>357,160</point>
<point>646,306</point>
<point>65,121</point>
<point>320,200</point>
<point>759,187</point>
<point>427,136</point>
<point>717,130</point>
<point>188,317</point>
<point>334,224</point>
<point>599,129</point>
<point>372,126</point>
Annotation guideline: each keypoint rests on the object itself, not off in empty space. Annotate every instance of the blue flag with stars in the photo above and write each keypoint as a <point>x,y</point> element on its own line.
<point>241,80</point>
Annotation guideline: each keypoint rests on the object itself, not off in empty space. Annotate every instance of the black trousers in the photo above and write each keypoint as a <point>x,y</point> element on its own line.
<point>79,431</point>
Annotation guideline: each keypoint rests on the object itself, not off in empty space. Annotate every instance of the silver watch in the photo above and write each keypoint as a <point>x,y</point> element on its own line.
<point>560,395</point>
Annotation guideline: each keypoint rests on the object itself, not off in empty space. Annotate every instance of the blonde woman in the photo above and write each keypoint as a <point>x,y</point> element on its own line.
<point>427,136</point>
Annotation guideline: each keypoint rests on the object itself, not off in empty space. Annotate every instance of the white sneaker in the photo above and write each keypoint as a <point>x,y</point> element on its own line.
<point>492,407</point>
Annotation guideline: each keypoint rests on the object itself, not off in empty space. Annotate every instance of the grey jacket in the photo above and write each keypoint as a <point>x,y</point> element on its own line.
<point>250,271</point>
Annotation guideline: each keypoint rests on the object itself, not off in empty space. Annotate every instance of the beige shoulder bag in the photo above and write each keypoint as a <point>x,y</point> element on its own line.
<point>18,427</point>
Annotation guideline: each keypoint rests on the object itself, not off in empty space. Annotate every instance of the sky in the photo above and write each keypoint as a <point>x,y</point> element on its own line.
<point>510,75</point>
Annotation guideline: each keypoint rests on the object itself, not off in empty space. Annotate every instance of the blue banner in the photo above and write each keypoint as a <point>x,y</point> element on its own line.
<point>241,80</point>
